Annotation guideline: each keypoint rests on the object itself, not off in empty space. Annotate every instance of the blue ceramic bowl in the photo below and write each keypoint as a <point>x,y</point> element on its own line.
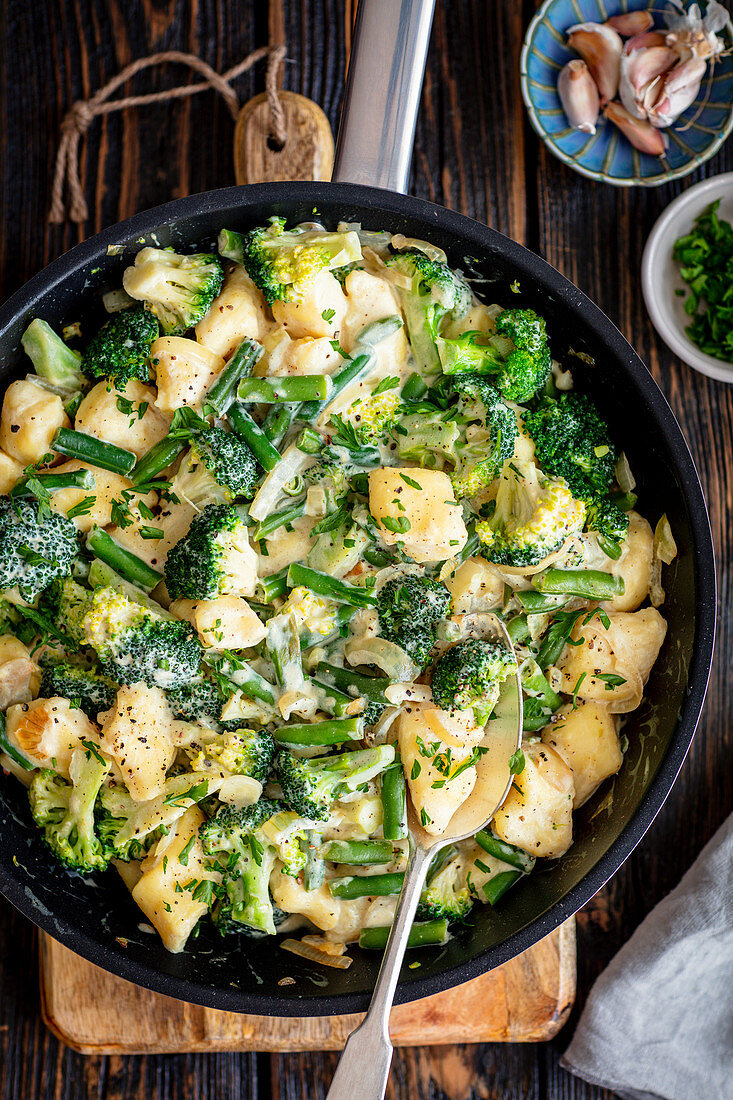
<point>607,155</point>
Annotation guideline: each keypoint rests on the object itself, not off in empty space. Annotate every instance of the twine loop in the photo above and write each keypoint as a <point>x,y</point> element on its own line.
<point>82,113</point>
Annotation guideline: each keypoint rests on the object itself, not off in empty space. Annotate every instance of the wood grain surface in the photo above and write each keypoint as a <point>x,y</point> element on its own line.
<point>525,1000</point>
<point>476,153</point>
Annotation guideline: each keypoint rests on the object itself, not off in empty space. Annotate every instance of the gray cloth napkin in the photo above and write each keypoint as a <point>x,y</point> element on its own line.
<point>659,1021</point>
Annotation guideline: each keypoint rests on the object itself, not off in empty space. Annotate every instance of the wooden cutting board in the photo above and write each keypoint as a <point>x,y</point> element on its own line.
<point>526,1000</point>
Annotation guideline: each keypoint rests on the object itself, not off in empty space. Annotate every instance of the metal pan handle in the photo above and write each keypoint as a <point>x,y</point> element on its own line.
<point>382,94</point>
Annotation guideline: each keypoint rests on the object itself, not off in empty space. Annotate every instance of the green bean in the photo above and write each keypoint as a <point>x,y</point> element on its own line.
<point>331,587</point>
<point>129,566</point>
<point>518,629</point>
<point>269,588</point>
<point>497,886</point>
<point>335,702</point>
<point>290,387</point>
<point>332,732</point>
<point>254,686</point>
<point>231,245</point>
<point>610,547</point>
<point>367,886</point>
<point>52,483</point>
<point>362,853</point>
<point>589,584</point>
<point>315,866</point>
<point>277,422</point>
<point>372,687</point>
<point>155,460</point>
<point>277,520</point>
<point>87,448</point>
<point>507,853</point>
<point>539,603</point>
<point>414,388</point>
<point>309,442</point>
<point>554,641</point>
<point>222,392</point>
<point>394,803</point>
<point>252,434</point>
<point>422,934</point>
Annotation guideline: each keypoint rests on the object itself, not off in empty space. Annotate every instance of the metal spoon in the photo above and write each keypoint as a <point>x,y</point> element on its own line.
<point>364,1066</point>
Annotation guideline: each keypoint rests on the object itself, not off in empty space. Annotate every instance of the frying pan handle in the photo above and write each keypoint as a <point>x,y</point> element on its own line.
<point>382,94</point>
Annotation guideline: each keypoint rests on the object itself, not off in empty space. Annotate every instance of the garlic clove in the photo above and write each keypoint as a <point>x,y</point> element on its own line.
<point>631,22</point>
<point>601,48</point>
<point>579,96</point>
<point>643,41</point>
<point>640,133</point>
<point>640,70</point>
<point>678,90</point>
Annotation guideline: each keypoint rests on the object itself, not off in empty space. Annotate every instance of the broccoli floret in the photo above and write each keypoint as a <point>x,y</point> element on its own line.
<point>209,560</point>
<point>608,520</point>
<point>38,546</point>
<point>134,643</point>
<point>486,446</point>
<point>311,786</point>
<point>243,844</point>
<point>518,356</point>
<point>228,460</point>
<point>313,615</point>
<point>429,437</point>
<point>436,293</point>
<point>528,366</point>
<point>333,478</point>
<point>572,441</point>
<point>241,752</point>
<point>113,809</point>
<point>65,811</point>
<point>371,416</point>
<point>89,690</point>
<point>533,516</point>
<point>53,360</point>
<point>178,289</point>
<point>66,603</point>
<point>372,713</point>
<point>121,348</point>
<point>409,610</point>
<point>284,264</point>
<point>447,896</point>
<point>470,674</point>
<point>200,702</point>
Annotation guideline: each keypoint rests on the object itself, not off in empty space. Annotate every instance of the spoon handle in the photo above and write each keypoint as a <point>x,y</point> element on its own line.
<point>364,1066</point>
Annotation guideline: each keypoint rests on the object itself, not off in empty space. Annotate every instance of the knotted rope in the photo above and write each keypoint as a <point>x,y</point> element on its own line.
<point>82,113</point>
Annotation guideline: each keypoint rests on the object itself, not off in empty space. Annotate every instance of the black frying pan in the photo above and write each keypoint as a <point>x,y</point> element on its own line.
<point>95,916</point>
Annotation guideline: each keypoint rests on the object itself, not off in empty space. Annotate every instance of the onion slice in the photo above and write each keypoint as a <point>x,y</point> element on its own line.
<point>313,954</point>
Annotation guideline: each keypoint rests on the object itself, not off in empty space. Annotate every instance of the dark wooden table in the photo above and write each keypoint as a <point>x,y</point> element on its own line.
<point>474,152</point>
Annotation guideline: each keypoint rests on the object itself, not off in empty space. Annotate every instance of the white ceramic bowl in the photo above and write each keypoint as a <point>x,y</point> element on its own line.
<point>661,277</point>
